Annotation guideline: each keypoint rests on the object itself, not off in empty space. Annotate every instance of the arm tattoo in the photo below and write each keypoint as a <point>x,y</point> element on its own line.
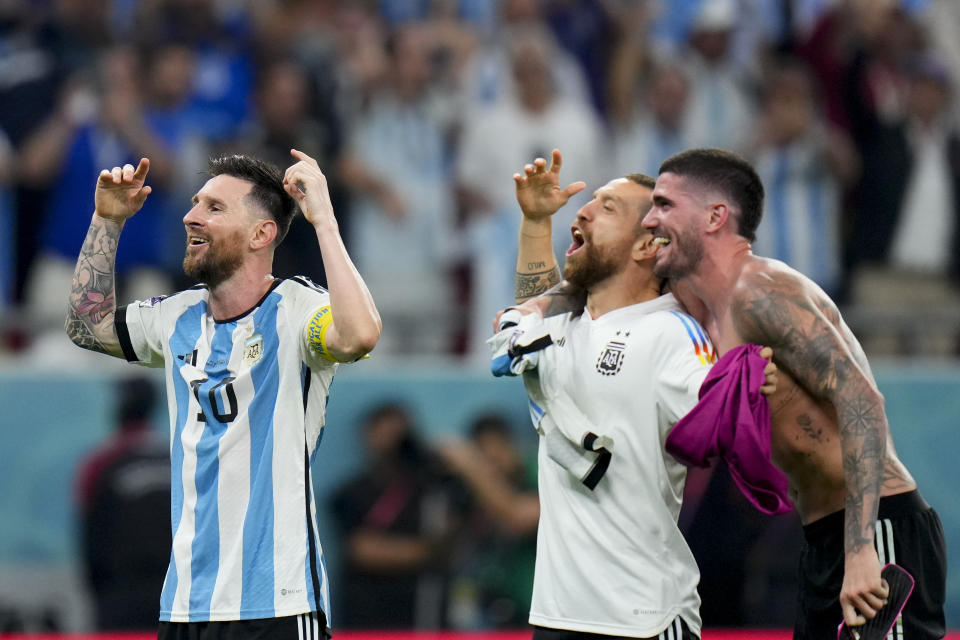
<point>528,285</point>
<point>810,345</point>
<point>92,302</point>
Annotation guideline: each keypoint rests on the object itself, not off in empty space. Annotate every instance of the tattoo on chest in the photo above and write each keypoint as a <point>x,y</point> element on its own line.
<point>809,428</point>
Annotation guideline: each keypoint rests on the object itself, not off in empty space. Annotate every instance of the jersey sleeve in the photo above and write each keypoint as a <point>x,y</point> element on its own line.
<point>313,313</point>
<point>687,355</point>
<point>140,331</point>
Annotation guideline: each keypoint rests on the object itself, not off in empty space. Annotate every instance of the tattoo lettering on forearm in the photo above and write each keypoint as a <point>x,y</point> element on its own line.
<point>92,291</point>
<point>533,266</point>
<point>528,285</point>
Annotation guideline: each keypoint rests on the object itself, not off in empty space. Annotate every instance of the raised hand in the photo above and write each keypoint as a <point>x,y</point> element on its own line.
<point>121,191</point>
<point>538,189</point>
<point>308,186</point>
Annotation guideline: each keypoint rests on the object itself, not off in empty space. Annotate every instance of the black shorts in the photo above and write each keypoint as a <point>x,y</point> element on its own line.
<point>908,533</point>
<point>306,626</point>
<point>678,630</point>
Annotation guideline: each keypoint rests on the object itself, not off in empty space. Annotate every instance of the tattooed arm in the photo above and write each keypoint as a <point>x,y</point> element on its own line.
<point>90,312</point>
<point>540,196</point>
<point>780,309</point>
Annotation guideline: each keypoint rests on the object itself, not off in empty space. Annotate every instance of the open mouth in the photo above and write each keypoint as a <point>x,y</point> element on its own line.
<point>660,241</point>
<point>196,241</point>
<point>578,241</point>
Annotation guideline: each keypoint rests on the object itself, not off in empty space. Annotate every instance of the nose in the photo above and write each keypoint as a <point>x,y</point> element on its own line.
<point>586,211</point>
<point>650,220</point>
<point>192,217</point>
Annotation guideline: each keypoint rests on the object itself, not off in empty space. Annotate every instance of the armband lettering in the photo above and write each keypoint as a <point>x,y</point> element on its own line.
<point>317,333</point>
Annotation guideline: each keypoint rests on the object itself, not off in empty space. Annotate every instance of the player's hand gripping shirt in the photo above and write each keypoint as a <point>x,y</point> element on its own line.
<point>246,400</point>
<point>612,560</point>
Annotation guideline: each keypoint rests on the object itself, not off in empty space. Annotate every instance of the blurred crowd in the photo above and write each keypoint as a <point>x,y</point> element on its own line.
<point>419,112</point>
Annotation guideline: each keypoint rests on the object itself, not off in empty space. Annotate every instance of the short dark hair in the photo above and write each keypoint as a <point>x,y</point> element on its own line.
<point>642,179</point>
<point>729,173</point>
<point>267,192</point>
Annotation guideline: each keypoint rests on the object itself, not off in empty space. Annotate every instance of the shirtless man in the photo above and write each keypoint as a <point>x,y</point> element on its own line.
<point>830,436</point>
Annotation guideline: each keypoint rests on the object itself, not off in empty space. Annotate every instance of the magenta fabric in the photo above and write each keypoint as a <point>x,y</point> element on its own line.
<point>732,421</point>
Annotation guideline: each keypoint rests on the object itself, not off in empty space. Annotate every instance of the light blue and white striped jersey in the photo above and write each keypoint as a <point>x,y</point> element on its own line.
<point>801,219</point>
<point>246,398</point>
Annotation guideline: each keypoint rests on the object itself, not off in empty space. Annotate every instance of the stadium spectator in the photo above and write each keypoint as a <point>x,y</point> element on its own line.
<point>905,240</point>
<point>398,519</point>
<point>720,105</point>
<point>117,115</point>
<point>805,167</point>
<point>220,37</point>
<point>286,120</point>
<point>494,573</point>
<point>397,167</point>
<point>123,500</point>
<point>33,69</point>
<point>659,127</point>
<point>497,141</point>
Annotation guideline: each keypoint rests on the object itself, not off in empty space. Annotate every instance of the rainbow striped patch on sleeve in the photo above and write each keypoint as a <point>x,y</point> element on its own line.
<point>701,345</point>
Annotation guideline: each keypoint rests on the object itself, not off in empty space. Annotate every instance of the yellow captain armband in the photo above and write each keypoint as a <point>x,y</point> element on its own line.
<point>317,333</point>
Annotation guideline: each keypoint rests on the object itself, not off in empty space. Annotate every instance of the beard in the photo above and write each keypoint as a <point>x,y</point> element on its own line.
<point>215,265</point>
<point>592,266</point>
<point>687,252</point>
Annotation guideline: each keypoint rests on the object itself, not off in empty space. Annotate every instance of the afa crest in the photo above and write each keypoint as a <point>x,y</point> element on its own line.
<point>611,360</point>
<point>253,350</point>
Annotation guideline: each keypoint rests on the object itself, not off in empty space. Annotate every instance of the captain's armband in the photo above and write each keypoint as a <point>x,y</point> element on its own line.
<point>317,333</point>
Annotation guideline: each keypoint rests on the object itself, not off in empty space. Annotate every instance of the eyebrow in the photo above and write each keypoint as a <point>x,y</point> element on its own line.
<point>608,196</point>
<point>211,199</point>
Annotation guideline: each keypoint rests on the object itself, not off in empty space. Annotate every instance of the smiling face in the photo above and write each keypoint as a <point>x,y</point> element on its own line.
<point>675,220</point>
<point>605,232</point>
<point>218,230</point>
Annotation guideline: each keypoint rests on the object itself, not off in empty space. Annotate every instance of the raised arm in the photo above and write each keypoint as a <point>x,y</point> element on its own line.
<point>802,327</point>
<point>539,196</point>
<point>356,326</point>
<point>92,305</point>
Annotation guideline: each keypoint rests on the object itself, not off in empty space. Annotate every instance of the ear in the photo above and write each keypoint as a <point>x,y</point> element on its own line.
<point>643,247</point>
<point>719,215</point>
<point>264,233</point>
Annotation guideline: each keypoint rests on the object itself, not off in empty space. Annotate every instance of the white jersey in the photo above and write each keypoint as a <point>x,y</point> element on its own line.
<point>613,561</point>
<point>246,399</point>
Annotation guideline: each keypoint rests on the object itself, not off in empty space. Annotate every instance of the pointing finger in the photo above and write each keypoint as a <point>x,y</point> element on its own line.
<point>142,168</point>
<point>300,155</point>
